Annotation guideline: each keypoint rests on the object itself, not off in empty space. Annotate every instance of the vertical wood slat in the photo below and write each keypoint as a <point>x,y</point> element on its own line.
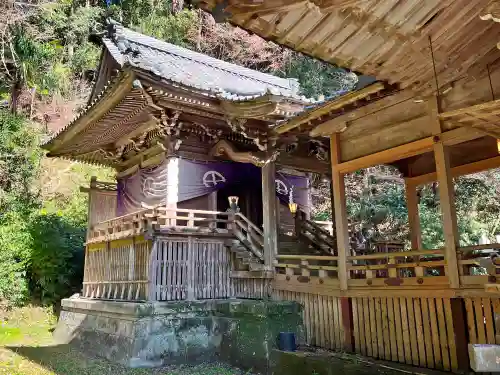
<point>413,331</point>
<point>392,329</point>
<point>438,362</point>
<point>380,333</point>
<point>357,328</point>
<point>385,329</point>
<point>428,333</point>
<point>442,333</point>
<point>373,327</point>
<point>405,329</point>
<point>368,336</point>
<point>422,359</point>
<point>451,334</point>
<point>399,330</point>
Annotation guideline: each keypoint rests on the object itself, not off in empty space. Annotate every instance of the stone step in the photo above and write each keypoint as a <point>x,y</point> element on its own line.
<point>256,267</point>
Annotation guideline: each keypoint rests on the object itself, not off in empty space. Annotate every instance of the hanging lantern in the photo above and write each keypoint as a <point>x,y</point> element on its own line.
<point>293,207</point>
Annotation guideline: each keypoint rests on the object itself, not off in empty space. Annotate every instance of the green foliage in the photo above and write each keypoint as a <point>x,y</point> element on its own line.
<point>14,255</point>
<point>317,78</point>
<point>41,250</point>
<point>170,28</point>
<point>56,262</point>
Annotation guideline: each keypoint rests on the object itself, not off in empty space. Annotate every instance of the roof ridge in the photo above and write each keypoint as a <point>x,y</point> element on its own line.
<point>116,31</point>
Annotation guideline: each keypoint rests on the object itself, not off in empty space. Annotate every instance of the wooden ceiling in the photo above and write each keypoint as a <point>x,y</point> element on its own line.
<point>389,39</point>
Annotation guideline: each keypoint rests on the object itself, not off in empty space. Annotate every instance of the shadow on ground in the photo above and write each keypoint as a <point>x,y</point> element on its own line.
<point>66,360</point>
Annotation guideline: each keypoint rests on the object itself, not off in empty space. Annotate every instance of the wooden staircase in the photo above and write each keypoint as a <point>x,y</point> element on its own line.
<point>310,238</point>
<point>247,247</point>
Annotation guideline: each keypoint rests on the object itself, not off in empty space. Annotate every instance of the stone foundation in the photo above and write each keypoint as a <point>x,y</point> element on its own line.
<point>240,332</point>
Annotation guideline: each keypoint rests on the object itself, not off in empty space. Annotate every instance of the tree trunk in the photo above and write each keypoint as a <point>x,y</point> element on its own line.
<point>14,96</point>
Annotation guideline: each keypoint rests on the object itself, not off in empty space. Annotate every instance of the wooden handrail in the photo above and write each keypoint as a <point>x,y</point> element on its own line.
<point>488,246</point>
<point>397,254</point>
<point>307,257</point>
<point>254,227</point>
<point>119,218</point>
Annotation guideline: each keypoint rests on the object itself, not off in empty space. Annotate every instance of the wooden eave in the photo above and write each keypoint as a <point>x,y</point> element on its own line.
<point>386,39</point>
<point>329,107</point>
<point>112,95</point>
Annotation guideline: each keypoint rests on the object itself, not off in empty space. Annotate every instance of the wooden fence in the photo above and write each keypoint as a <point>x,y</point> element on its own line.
<point>190,268</point>
<point>401,324</point>
<point>117,269</point>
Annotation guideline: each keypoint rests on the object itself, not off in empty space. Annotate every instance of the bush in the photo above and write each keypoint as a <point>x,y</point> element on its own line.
<point>56,260</point>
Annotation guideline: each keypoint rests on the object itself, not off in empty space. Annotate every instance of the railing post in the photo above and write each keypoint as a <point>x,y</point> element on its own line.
<point>413,215</point>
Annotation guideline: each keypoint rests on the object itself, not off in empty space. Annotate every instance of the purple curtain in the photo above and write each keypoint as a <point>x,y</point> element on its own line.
<point>196,178</point>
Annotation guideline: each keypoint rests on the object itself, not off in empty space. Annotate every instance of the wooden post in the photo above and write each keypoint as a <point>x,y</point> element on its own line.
<point>448,212</point>
<point>172,188</point>
<point>342,230</point>
<point>459,321</point>
<point>269,215</point>
<point>446,197</point>
<point>413,216</point>
<point>347,323</point>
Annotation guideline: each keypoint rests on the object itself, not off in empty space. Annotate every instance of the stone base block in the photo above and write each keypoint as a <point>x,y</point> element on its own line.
<point>240,332</point>
<point>484,357</point>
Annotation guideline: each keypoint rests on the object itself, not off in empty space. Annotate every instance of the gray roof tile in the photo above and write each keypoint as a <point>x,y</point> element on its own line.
<point>193,69</point>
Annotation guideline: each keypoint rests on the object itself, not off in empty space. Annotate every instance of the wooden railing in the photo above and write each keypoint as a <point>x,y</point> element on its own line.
<point>249,234</point>
<point>314,235</point>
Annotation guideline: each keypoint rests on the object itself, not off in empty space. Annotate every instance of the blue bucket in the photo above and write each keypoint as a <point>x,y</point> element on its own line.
<point>286,342</point>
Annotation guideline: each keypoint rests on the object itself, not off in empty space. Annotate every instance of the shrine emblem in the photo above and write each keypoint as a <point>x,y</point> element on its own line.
<point>281,187</point>
<point>151,187</point>
<point>212,178</point>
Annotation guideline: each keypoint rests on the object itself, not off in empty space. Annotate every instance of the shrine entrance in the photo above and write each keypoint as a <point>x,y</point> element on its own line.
<point>250,199</point>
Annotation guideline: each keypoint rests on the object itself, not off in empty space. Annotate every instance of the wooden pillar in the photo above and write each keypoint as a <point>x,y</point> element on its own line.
<point>347,323</point>
<point>172,188</point>
<point>459,321</point>
<point>448,212</point>
<point>340,211</point>
<point>413,216</point>
<point>446,197</point>
<point>269,215</point>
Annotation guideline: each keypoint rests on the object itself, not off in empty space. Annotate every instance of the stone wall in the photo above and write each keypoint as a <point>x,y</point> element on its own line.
<point>240,332</point>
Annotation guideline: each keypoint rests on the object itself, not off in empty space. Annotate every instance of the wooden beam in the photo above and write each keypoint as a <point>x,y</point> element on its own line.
<point>389,101</point>
<point>387,156</point>
<point>340,210</point>
<point>310,164</point>
<point>269,215</point>
<point>407,150</point>
<point>334,105</point>
<point>461,170</point>
<point>413,215</point>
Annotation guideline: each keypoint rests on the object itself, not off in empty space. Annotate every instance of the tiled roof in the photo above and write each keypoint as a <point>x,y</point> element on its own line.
<point>193,69</point>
